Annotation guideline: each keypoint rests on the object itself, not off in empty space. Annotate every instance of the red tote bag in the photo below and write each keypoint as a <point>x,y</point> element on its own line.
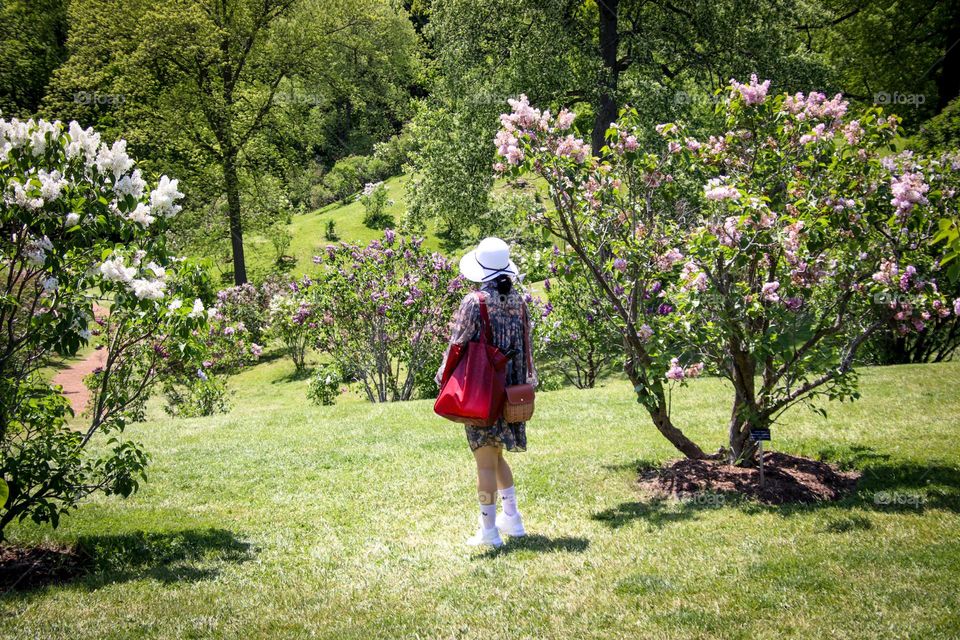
<point>473,394</point>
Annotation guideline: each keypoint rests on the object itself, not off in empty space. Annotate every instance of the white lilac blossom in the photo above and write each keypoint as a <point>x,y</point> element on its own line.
<point>132,185</point>
<point>114,160</point>
<point>141,215</point>
<point>158,271</point>
<point>115,271</point>
<point>163,197</point>
<point>72,220</point>
<point>146,289</point>
<point>83,142</point>
<point>37,249</point>
<point>52,184</point>
<point>198,310</point>
<point>175,304</point>
<point>20,198</point>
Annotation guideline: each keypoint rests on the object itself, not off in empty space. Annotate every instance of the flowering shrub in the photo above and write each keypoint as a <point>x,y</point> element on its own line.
<point>385,309</point>
<point>79,222</point>
<point>755,253</point>
<point>374,201</point>
<point>575,340</point>
<point>195,394</point>
<point>238,326</point>
<point>325,385</point>
<point>294,321</point>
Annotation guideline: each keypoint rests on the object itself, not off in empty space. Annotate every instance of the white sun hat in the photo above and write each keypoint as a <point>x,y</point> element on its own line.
<point>490,259</point>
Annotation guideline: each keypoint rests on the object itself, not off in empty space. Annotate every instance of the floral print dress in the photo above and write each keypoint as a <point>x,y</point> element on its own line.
<point>506,320</point>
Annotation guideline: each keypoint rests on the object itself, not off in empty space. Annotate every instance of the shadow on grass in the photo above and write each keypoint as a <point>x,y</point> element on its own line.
<point>658,511</point>
<point>191,555</point>
<point>888,484</point>
<point>540,544</point>
<point>295,376</point>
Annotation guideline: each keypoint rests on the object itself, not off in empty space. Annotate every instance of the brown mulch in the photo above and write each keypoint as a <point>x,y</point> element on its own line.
<point>786,479</point>
<point>23,568</point>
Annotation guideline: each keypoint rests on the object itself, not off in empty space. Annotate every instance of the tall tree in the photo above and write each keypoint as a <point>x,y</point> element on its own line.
<point>663,57</point>
<point>205,82</point>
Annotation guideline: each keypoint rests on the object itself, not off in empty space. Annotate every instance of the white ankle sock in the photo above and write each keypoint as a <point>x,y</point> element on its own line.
<point>488,515</point>
<point>509,497</point>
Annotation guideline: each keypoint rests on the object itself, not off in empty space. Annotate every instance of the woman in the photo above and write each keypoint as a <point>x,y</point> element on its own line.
<point>490,265</point>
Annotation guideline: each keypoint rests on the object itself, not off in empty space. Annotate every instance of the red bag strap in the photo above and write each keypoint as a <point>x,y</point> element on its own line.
<point>486,332</point>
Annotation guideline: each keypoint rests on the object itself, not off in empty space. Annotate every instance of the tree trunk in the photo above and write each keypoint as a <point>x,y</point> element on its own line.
<point>744,415</point>
<point>743,450</point>
<point>606,108</point>
<point>232,184</point>
<point>654,401</point>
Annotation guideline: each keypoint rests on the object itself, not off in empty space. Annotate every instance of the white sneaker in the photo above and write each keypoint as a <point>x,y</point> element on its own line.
<point>511,525</point>
<point>483,536</point>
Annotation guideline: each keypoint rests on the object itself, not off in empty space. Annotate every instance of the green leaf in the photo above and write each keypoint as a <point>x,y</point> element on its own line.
<point>4,492</point>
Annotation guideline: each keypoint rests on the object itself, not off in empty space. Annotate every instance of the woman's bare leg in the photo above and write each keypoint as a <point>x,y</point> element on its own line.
<point>487,462</point>
<point>504,473</point>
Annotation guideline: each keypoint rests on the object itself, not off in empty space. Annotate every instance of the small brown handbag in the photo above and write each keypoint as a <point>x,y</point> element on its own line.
<point>519,398</point>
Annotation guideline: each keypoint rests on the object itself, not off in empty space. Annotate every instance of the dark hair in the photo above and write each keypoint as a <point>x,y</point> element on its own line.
<point>504,284</point>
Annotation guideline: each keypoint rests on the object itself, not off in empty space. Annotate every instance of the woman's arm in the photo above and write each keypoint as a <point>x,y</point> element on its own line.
<point>462,327</point>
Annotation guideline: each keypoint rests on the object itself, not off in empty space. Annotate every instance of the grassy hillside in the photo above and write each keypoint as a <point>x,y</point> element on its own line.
<point>286,519</point>
<point>308,229</point>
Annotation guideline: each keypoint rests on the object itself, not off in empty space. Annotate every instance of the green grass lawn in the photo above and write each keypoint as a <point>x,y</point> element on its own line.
<point>282,519</point>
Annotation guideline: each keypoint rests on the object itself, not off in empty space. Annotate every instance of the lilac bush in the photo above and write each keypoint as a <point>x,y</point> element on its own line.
<point>574,341</point>
<point>79,225</point>
<point>766,253</point>
<point>295,322</point>
<point>385,309</point>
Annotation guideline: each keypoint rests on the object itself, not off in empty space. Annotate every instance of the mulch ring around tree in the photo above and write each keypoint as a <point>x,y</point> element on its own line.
<point>786,479</point>
<point>23,568</point>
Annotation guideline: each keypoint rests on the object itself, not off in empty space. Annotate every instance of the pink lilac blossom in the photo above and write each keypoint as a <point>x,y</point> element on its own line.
<point>693,279</point>
<point>675,372</point>
<point>887,273</point>
<point>908,191</point>
<point>769,291</point>
<point>571,147</point>
<point>715,189</point>
<point>853,132</point>
<point>668,259</point>
<point>645,332</point>
<point>694,370</point>
<point>753,93</point>
<point>817,133</point>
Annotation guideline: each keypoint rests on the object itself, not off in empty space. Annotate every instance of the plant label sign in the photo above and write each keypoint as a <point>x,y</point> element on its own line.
<point>759,435</point>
